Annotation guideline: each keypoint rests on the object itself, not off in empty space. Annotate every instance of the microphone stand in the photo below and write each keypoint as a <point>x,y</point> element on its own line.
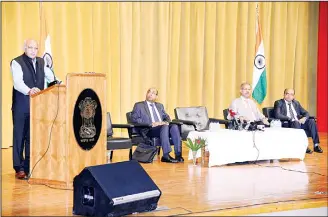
<point>55,80</point>
<point>235,124</point>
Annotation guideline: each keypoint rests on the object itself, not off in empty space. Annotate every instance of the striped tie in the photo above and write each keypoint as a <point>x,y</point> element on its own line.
<point>291,111</point>
<point>154,112</point>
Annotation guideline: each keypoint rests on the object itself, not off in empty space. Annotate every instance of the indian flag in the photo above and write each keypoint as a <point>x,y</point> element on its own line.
<point>259,69</point>
<point>45,42</point>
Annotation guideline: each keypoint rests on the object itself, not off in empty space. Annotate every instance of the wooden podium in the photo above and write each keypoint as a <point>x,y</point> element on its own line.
<point>54,116</point>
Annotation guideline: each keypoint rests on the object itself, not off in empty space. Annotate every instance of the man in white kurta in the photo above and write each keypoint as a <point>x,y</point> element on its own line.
<point>245,108</point>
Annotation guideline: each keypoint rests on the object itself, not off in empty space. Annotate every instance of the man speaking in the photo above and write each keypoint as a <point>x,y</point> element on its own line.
<point>245,108</point>
<point>30,75</point>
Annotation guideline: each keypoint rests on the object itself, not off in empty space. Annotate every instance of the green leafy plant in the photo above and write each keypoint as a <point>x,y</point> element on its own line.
<point>196,144</point>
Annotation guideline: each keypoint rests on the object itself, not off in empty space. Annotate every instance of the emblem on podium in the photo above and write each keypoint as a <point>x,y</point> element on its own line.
<point>87,119</point>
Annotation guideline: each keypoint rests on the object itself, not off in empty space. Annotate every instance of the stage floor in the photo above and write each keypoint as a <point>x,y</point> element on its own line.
<point>194,190</point>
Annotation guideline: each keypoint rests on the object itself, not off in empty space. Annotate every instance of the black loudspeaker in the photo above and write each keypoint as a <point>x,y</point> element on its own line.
<point>114,190</point>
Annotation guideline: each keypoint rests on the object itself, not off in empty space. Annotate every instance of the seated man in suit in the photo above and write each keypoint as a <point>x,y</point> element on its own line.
<point>245,108</point>
<point>151,112</point>
<point>288,109</point>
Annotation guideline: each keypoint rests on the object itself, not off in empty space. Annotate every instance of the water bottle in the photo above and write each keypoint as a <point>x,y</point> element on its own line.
<point>272,123</point>
<point>275,123</point>
<point>279,124</point>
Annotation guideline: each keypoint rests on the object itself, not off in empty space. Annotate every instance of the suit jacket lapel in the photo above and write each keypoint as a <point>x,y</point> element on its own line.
<point>285,107</point>
<point>295,107</point>
<point>159,110</point>
<point>147,110</point>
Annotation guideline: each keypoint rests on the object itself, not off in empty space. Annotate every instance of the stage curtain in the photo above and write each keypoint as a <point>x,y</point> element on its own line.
<point>322,89</point>
<point>195,53</point>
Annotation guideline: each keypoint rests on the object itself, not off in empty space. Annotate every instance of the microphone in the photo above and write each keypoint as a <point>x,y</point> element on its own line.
<point>235,124</point>
<point>248,124</point>
<point>55,80</point>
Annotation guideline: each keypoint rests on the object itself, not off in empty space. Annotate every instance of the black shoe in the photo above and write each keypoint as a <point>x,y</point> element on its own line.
<point>179,158</point>
<point>318,149</point>
<point>169,159</point>
<point>308,151</point>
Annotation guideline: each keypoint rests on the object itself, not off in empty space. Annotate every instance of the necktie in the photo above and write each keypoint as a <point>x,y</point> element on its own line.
<point>291,111</point>
<point>156,119</point>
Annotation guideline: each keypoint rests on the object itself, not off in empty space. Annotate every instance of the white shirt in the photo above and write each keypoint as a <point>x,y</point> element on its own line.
<point>246,108</point>
<point>151,111</point>
<point>17,73</point>
<point>293,109</point>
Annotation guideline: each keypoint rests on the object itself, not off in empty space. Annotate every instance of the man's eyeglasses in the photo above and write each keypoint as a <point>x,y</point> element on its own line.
<point>32,48</point>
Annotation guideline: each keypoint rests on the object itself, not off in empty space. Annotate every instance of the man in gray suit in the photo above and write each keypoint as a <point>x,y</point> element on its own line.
<point>151,112</point>
<point>293,115</point>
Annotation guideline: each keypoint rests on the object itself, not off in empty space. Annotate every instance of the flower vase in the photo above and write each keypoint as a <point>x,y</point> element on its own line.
<point>203,155</point>
<point>194,158</point>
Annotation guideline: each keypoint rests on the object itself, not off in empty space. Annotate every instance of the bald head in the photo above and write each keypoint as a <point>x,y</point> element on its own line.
<point>31,48</point>
<point>246,90</point>
<point>151,95</point>
<point>289,94</point>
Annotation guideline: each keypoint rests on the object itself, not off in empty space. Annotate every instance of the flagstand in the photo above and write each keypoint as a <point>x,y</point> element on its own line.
<point>259,69</point>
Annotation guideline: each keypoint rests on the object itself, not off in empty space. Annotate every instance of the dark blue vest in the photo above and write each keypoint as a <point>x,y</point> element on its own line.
<point>32,78</point>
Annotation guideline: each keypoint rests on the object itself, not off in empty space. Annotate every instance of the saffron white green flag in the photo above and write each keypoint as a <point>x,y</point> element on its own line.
<point>259,69</point>
<point>47,55</point>
<point>45,38</point>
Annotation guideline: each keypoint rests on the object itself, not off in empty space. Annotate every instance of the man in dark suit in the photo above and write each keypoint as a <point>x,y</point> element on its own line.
<point>151,112</point>
<point>293,115</point>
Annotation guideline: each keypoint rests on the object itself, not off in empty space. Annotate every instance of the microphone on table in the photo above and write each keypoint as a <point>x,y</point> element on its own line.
<point>235,123</point>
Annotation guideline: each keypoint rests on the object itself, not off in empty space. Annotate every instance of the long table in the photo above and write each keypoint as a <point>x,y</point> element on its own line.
<point>230,146</point>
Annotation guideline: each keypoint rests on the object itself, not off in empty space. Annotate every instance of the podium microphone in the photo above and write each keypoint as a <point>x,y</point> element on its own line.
<point>55,80</point>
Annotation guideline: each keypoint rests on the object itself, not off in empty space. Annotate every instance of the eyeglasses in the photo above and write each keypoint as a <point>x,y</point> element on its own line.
<point>153,92</point>
<point>32,48</point>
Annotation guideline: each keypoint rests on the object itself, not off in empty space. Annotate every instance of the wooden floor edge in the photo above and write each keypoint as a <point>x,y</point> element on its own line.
<point>269,207</point>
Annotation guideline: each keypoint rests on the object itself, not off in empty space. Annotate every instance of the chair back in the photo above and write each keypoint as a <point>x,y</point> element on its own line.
<point>268,112</point>
<point>197,114</point>
<point>225,114</point>
<point>128,117</point>
<point>109,126</point>
<point>134,130</point>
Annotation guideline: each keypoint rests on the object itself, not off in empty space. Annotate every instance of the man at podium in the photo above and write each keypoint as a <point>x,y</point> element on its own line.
<point>30,75</point>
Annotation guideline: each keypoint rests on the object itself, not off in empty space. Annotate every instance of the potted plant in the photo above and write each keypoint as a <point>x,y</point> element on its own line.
<point>195,145</point>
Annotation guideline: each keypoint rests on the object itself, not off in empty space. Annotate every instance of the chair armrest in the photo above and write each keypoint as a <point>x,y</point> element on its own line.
<point>142,125</point>
<point>220,121</point>
<point>137,128</point>
<point>175,121</point>
<point>313,117</point>
<point>122,126</point>
<point>186,122</point>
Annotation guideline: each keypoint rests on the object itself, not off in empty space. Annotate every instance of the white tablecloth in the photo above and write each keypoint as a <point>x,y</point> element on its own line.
<point>231,146</point>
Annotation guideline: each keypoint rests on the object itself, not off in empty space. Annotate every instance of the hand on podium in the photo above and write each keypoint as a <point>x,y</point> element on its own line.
<point>33,91</point>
